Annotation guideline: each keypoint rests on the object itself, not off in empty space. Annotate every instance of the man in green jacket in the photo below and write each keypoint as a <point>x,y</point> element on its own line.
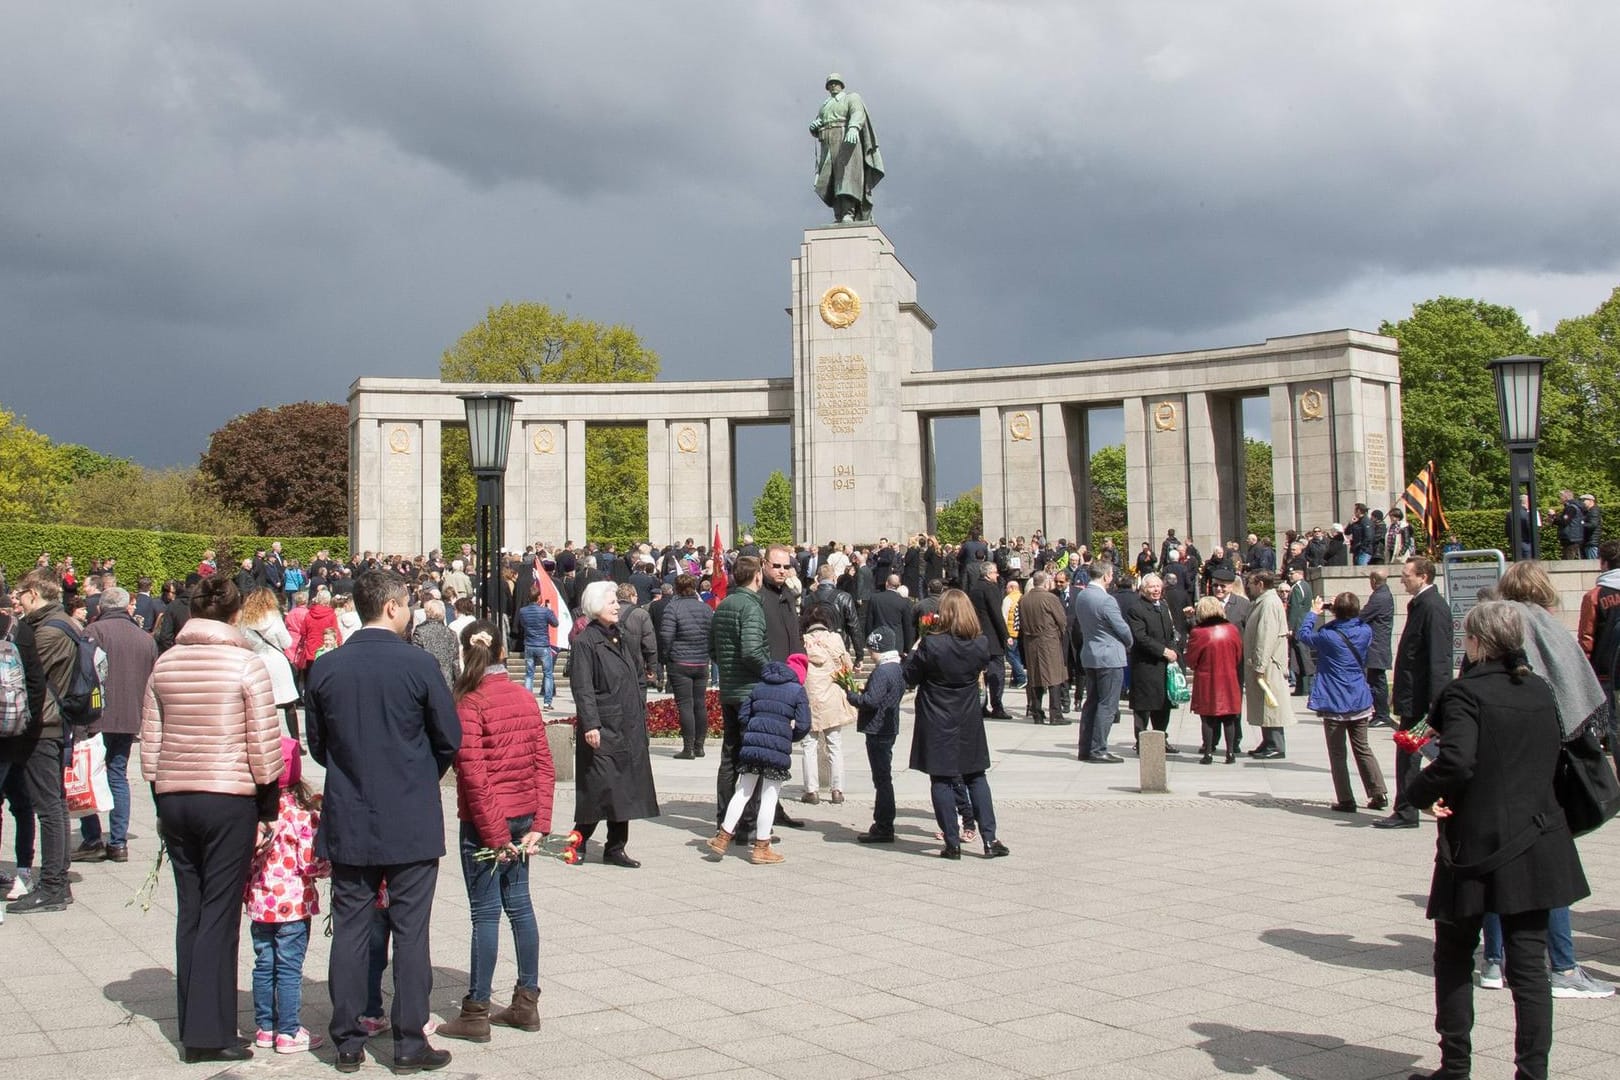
<point>737,644</point>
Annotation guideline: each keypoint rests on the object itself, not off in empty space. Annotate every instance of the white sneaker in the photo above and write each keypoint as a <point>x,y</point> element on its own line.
<point>297,1044</point>
<point>1490,975</point>
<point>19,887</point>
<point>1576,983</point>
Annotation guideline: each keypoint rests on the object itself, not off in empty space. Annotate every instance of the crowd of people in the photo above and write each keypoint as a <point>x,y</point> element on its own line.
<point>380,668</point>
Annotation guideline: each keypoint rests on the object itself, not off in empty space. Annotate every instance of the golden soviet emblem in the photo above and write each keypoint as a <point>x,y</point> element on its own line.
<point>1310,405</point>
<point>1019,427</point>
<point>1164,416</point>
<point>544,441</point>
<point>686,440</point>
<point>399,441</point>
<point>840,307</point>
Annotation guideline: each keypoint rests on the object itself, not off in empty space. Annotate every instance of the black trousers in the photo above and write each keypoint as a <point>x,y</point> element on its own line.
<point>42,774</point>
<point>1407,766</point>
<point>1213,726</point>
<point>880,756</point>
<point>1157,719</point>
<point>688,684</point>
<point>1524,940</point>
<point>726,778</point>
<point>618,833</point>
<point>1378,683</point>
<point>410,911</point>
<point>210,842</point>
<point>994,680</point>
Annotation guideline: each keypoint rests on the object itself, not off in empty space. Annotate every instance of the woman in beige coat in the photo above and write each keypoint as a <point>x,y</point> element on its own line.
<point>830,710</point>
<point>211,749</point>
<point>1265,658</point>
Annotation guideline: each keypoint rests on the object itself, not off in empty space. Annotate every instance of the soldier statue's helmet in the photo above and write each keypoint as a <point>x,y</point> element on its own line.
<point>834,78</point>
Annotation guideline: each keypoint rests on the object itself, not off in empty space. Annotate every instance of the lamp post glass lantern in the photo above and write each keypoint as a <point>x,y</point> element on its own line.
<point>489,434</point>
<point>1518,406</point>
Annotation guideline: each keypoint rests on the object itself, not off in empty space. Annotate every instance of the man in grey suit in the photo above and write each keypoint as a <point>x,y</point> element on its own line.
<point>1096,622</point>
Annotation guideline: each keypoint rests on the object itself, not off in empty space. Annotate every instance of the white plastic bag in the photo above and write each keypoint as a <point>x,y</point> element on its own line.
<point>85,781</point>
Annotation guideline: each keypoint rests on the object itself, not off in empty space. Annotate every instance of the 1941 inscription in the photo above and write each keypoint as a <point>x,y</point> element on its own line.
<point>843,393</point>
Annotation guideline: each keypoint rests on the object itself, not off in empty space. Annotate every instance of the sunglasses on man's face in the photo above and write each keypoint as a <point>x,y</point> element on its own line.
<point>781,566</point>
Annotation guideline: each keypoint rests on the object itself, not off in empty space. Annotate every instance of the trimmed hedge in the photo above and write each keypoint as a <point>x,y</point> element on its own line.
<point>144,551</point>
<point>1488,529</point>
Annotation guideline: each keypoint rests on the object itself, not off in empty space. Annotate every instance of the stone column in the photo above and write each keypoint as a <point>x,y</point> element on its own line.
<point>1139,523</point>
<point>399,512</point>
<point>1312,409</point>
<point>1284,493</point>
<point>1165,420</point>
<point>1203,478</point>
<point>544,450</point>
<point>1022,473</point>
<point>688,451</point>
<point>1397,445</point>
<point>574,464</point>
<point>658,482</point>
<point>432,484</point>
<point>722,514</point>
<point>1349,448</point>
<point>992,481</point>
<point>515,493</point>
<point>365,483</point>
<point>1058,453</point>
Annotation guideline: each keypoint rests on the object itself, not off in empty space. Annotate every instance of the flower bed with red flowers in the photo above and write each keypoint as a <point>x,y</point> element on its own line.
<point>664,717</point>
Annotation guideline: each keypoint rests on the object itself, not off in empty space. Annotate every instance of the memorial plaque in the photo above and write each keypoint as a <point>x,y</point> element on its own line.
<point>1377,462</point>
<point>843,391</point>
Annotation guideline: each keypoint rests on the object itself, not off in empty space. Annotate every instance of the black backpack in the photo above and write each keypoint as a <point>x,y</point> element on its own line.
<point>82,703</point>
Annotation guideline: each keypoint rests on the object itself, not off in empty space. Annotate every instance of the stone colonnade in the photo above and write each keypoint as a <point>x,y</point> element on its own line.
<point>860,402</point>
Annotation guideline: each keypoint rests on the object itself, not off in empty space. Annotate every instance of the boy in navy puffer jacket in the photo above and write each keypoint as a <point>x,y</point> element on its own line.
<point>774,717</point>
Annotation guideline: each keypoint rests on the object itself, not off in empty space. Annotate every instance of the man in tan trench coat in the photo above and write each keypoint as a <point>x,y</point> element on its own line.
<point>1265,666</point>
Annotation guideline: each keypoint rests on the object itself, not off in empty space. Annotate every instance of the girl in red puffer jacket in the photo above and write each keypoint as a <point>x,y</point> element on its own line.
<point>504,782</point>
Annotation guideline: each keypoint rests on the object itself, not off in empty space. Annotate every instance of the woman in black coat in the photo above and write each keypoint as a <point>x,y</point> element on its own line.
<point>612,765</point>
<point>1153,652</point>
<point>1504,845</point>
<point>948,740</point>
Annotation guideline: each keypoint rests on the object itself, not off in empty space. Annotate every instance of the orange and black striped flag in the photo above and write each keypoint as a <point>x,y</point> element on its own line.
<point>1423,510</point>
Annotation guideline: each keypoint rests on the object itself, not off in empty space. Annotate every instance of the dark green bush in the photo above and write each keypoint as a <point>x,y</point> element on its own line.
<point>141,551</point>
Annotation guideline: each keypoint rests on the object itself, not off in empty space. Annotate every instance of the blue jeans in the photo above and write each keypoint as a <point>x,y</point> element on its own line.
<point>492,887</point>
<point>278,975</point>
<point>1017,663</point>
<point>377,963</point>
<point>1363,558</point>
<point>547,659</point>
<point>117,747</point>
<point>1560,939</point>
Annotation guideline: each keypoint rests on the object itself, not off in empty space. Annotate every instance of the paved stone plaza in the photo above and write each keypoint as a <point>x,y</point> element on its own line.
<point>1234,926</point>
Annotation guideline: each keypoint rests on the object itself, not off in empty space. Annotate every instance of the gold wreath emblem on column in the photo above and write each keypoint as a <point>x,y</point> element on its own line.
<point>1164,416</point>
<point>686,440</point>
<point>399,441</point>
<point>544,441</point>
<point>840,307</point>
<point>1019,427</point>
<point>1310,405</point>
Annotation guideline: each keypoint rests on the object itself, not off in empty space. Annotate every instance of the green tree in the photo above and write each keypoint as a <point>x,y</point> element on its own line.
<point>1258,506</point>
<point>33,474</point>
<point>773,511</point>
<point>533,343</point>
<point>127,496</point>
<point>1448,396</point>
<point>1108,489</point>
<point>1580,405</point>
<point>82,461</point>
<point>961,515</point>
<point>286,467</point>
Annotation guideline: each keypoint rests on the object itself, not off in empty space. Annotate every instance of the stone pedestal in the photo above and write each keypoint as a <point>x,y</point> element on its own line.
<point>560,740</point>
<point>1150,762</point>
<point>857,333</point>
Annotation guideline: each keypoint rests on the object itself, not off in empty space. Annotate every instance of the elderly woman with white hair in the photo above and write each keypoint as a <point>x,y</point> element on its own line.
<point>1153,650</point>
<point>612,765</point>
<point>434,635</point>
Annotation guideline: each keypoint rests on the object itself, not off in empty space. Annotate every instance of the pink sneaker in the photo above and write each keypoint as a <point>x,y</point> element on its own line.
<point>374,1025</point>
<point>265,1040</point>
<point>297,1044</point>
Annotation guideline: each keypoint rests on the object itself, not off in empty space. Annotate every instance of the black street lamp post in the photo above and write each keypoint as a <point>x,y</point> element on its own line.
<point>1518,403</point>
<point>489,431</point>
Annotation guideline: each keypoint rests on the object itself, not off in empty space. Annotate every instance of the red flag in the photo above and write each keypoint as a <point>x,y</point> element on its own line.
<point>717,576</point>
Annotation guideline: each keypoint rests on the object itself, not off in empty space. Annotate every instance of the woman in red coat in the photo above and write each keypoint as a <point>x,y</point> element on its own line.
<point>504,782</point>
<point>1214,657</point>
<point>317,621</point>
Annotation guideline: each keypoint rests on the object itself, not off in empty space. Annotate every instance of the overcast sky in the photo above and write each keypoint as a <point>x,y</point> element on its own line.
<point>206,208</point>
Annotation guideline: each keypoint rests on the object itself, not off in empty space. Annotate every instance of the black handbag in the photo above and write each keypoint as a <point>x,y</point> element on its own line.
<point>1585,782</point>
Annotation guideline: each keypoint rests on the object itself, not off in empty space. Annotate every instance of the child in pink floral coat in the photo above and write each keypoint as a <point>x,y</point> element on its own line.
<point>281,900</point>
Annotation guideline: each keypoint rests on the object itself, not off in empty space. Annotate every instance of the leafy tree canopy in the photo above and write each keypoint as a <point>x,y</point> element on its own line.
<point>960,516</point>
<point>287,468</point>
<point>33,477</point>
<point>773,511</point>
<point>170,500</point>
<point>534,343</point>
<point>1580,406</point>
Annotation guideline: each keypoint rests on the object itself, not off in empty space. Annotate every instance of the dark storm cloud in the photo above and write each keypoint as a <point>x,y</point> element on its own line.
<point>207,207</point>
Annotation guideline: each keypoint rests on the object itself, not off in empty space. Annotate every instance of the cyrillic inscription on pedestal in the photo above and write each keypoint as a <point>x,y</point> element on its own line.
<point>843,391</point>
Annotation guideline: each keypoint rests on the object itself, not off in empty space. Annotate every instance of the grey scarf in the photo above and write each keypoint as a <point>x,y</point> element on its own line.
<point>1556,656</point>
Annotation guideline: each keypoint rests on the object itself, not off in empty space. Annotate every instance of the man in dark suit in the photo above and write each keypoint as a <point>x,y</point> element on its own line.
<point>889,608</point>
<point>987,596</point>
<point>1379,615</point>
<point>384,726</point>
<point>147,606</point>
<point>1422,669</point>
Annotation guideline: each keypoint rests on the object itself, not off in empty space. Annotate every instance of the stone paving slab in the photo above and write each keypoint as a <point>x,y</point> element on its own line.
<point>1234,926</point>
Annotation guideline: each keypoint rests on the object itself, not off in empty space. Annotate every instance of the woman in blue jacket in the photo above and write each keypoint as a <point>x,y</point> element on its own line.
<point>1341,697</point>
<point>775,715</point>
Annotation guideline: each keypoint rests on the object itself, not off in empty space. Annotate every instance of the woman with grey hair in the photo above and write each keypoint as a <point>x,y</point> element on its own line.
<point>433,635</point>
<point>612,765</point>
<point>1152,652</point>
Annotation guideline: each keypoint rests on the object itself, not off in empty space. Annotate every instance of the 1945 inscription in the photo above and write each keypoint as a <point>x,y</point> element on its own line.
<point>843,392</point>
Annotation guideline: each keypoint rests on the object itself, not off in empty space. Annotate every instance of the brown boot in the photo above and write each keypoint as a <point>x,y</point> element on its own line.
<point>719,841</point>
<point>472,1024</point>
<point>523,1013</point>
<point>763,855</point>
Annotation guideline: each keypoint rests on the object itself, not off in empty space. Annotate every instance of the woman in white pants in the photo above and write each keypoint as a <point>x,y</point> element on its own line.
<point>830,710</point>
